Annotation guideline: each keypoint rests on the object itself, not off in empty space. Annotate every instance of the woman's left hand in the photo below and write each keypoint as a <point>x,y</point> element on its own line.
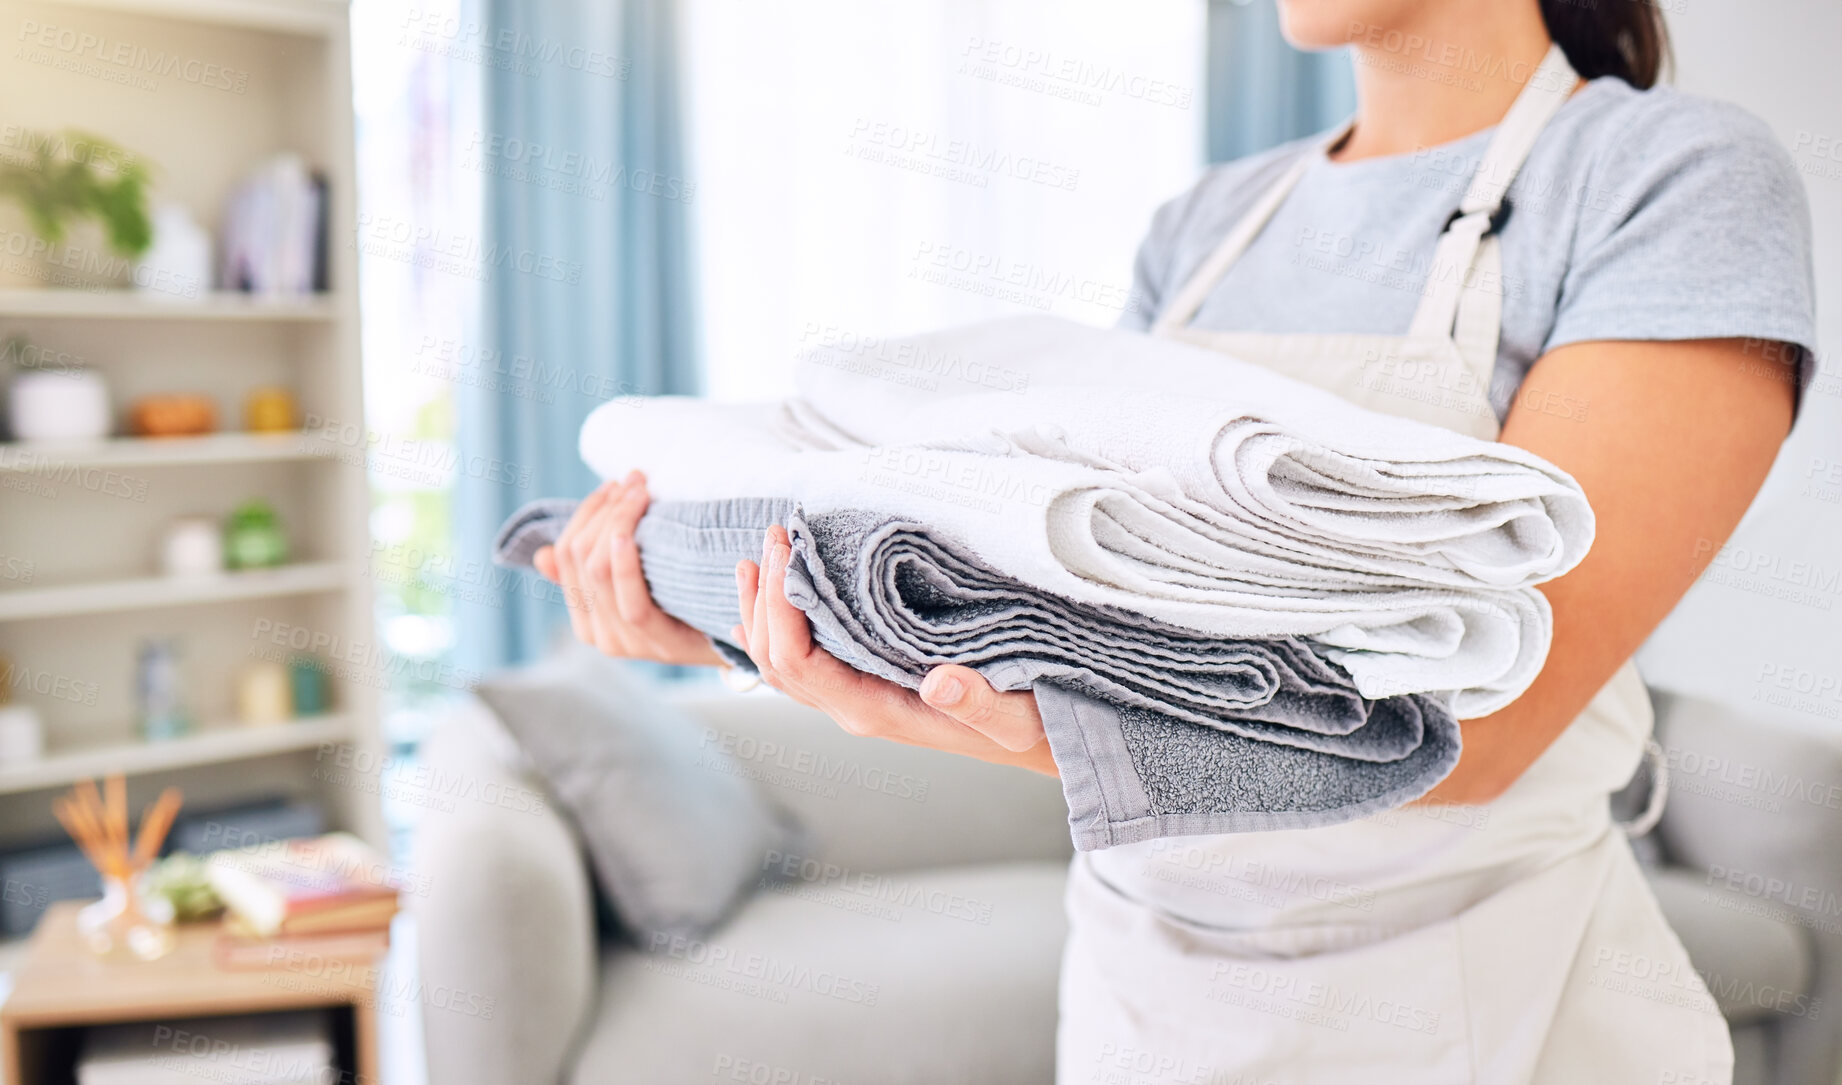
<point>956,710</point>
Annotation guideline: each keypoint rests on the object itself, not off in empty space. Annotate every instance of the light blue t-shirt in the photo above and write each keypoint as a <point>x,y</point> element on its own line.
<point>1638,215</point>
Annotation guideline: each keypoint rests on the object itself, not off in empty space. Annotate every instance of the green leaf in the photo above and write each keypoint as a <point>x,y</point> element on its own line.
<point>56,189</point>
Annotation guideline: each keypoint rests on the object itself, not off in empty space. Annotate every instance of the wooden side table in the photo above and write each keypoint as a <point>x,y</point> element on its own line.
<point>60,988</point>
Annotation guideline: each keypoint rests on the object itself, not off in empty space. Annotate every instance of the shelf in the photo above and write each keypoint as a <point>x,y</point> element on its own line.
<point>129,305</point>
<point>307,17</point>
<point>165,451</point>
<point>215,745</point>
<point>106,596</point>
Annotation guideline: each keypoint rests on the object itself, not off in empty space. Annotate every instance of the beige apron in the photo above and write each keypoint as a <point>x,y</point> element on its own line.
<point>1515,942</point>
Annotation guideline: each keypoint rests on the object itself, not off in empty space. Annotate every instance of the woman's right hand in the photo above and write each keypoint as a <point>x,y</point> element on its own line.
<point>598,567</point>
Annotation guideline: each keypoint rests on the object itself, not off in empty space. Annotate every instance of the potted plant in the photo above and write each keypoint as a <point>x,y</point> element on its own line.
<point>72,181</point>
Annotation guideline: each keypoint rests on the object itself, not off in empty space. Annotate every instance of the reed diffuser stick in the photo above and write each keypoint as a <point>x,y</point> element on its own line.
<point>99,825</point>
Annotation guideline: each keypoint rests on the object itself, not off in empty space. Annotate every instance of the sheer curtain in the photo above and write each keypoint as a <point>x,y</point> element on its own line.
<point>1263,92</point>
<point>587,289</point>
<point>876,169</point>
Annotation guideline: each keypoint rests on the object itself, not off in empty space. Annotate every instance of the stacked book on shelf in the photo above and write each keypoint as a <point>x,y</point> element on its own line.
<point>329,896</point>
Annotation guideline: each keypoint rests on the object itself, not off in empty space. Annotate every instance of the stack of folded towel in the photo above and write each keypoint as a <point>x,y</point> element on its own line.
<point>1243,603</point>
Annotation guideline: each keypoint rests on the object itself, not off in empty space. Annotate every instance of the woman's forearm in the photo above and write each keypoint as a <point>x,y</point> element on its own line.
<point>1670,441</point>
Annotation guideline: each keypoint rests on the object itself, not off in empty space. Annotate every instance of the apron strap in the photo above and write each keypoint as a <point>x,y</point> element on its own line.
<point>1196,290</point>
<point>1463,297</point>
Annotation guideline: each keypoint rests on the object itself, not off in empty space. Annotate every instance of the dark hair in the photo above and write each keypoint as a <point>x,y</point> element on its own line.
<point>1625,38</point>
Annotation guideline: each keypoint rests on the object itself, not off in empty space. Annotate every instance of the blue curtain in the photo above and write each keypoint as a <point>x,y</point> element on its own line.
<point>588,289</point>
<point>1261,91</point>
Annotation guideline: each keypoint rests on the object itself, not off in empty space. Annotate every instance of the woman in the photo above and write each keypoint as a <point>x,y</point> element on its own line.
<point>1600,272</point>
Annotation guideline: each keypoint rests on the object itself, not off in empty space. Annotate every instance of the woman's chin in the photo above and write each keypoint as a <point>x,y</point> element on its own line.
<point>1329,24</point>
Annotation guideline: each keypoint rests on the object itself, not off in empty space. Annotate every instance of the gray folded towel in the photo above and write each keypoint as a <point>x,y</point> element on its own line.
<point>1156,730</point>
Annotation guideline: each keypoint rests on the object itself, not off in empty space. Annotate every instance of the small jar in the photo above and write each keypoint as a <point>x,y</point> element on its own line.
<point>127,924</point>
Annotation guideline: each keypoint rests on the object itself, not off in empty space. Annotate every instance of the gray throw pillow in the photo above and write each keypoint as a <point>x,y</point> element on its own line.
<point>674,831</point>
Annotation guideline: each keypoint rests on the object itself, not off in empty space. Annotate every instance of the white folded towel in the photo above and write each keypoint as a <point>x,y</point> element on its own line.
<point>1292,460</point>
<point>1219,497</point>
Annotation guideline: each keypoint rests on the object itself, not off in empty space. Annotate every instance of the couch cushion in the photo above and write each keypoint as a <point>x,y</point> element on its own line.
<point>674,832</point>
<point>922,976</point>
<point>1756,967</point>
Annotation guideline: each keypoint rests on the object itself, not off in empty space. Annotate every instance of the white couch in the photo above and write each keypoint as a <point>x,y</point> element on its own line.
<point>931,953</point>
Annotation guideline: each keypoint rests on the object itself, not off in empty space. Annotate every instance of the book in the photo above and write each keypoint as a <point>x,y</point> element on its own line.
<point>303,886</point>
<point>242,949</point>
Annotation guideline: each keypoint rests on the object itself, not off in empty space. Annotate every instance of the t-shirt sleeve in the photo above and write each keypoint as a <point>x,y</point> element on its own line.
<point>1694,225</point>
<point>1153,264</point>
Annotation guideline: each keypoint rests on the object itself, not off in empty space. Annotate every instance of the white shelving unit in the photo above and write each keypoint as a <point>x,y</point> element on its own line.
<point>131,452</point>
<point>212,744</point>
<point>127,305</point>
<point>147,592</point>
<point>80,524</point>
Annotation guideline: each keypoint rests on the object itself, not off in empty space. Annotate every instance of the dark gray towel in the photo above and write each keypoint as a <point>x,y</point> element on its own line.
<point>1156,730</point>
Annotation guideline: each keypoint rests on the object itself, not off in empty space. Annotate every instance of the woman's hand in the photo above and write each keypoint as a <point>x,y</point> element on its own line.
<point>598,567</point>
<point>956,710</point>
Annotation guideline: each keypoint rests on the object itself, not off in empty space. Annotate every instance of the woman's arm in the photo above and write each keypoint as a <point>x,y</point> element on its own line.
<point>1670,442</point>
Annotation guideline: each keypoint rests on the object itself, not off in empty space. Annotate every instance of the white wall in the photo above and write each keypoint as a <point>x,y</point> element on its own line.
<point>1764,626</point>
<point>876,169</point>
